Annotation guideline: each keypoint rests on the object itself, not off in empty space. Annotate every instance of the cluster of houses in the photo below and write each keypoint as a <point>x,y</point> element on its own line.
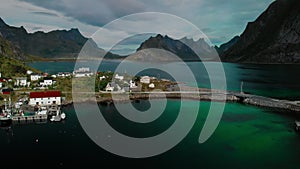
<point>119,84</point>
<point>42,81</point>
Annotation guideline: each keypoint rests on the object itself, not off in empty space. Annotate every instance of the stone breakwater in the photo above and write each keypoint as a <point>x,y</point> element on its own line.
<point>203,95</point>
<point>127,97</point>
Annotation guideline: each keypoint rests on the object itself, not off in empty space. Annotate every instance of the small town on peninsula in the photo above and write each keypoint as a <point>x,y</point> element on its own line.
<point>38,97</point>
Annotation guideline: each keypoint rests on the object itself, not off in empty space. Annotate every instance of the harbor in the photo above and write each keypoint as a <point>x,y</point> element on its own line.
<point>46,107</point>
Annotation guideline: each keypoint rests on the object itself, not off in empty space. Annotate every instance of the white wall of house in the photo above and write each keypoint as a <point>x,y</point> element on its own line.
<point>45,101</point>
<point>88,74</point>
<point>102,78</point>
<point>47,83</point>
<point>35,77</point>
<point>119,77</point>
<point>152,85</point>
<point>145,79</point>
<point>132,84</point>
<point>21,82</point>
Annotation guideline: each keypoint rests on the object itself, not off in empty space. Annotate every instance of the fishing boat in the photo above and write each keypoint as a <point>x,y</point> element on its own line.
<point>6,114</point>
<point>56,114</point>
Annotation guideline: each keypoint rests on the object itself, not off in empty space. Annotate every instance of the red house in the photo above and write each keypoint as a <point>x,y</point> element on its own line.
<point>45,98</point>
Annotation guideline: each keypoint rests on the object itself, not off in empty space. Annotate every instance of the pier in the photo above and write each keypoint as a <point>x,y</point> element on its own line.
<point>33,118</point>
<point>267,102</point>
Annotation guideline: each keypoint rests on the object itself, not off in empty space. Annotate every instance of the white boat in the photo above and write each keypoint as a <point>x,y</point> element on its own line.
<point>5,116</point>
<point>42,111</point>
<point>57,115</point>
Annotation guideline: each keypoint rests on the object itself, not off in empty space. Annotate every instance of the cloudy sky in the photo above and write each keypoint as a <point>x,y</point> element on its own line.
<point>220,20</point>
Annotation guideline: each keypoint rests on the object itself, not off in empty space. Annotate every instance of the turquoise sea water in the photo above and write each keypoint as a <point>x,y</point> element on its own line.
<point>247,136</point>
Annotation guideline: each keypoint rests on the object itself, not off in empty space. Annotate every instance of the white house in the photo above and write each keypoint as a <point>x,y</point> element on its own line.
<point>102,78</point>
<point>145,79</point>
<point>152,86</point>
<point>119,77</point>
<point>110,87</point>
<point>63,74</point>
<point>45,98</point>
<point>82,72</point>
<point>35,77</point>
<point>21,81</point>
<point>47,82</point>
<point>29,72</point>
<point>132,84</point>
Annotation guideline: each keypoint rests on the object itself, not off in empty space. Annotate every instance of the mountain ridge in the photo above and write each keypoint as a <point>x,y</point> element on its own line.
<point>186,49</point>
<point>57,43</point>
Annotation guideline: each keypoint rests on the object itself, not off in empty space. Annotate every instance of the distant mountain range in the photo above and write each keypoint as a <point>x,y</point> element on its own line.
<point>274,37</point>
<point>55,44</point>
<point>185,49</point>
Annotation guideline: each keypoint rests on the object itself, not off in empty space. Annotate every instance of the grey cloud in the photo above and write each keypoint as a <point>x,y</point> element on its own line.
<point>217,15</point>
<point>93,12</point>
<point>45,13</point>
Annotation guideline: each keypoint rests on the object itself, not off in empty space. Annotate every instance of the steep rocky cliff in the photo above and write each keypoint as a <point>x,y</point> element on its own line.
<point>274,37</point>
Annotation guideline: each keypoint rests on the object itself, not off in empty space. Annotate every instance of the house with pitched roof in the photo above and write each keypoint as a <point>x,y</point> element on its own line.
<point>45,98</point>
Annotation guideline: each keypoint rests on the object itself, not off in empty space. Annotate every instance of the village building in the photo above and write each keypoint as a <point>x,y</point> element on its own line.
<point>132,84</point>
<point>29,72</point>
<point>102,78</point>
<point>21,82</point>
<point>82,72</point>
<point>45,98</point>
<point>7,91</point>
<point>110,87</point>
<point>47,82</point>
<point>152,86</point>
<point>35,77</point>
<point>63,74</point>
<point>145,79</point>
<point>119,77</point>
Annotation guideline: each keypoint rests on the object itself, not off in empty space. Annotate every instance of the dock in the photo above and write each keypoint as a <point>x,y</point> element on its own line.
<point>267,102</point>
<point>29,119</point>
